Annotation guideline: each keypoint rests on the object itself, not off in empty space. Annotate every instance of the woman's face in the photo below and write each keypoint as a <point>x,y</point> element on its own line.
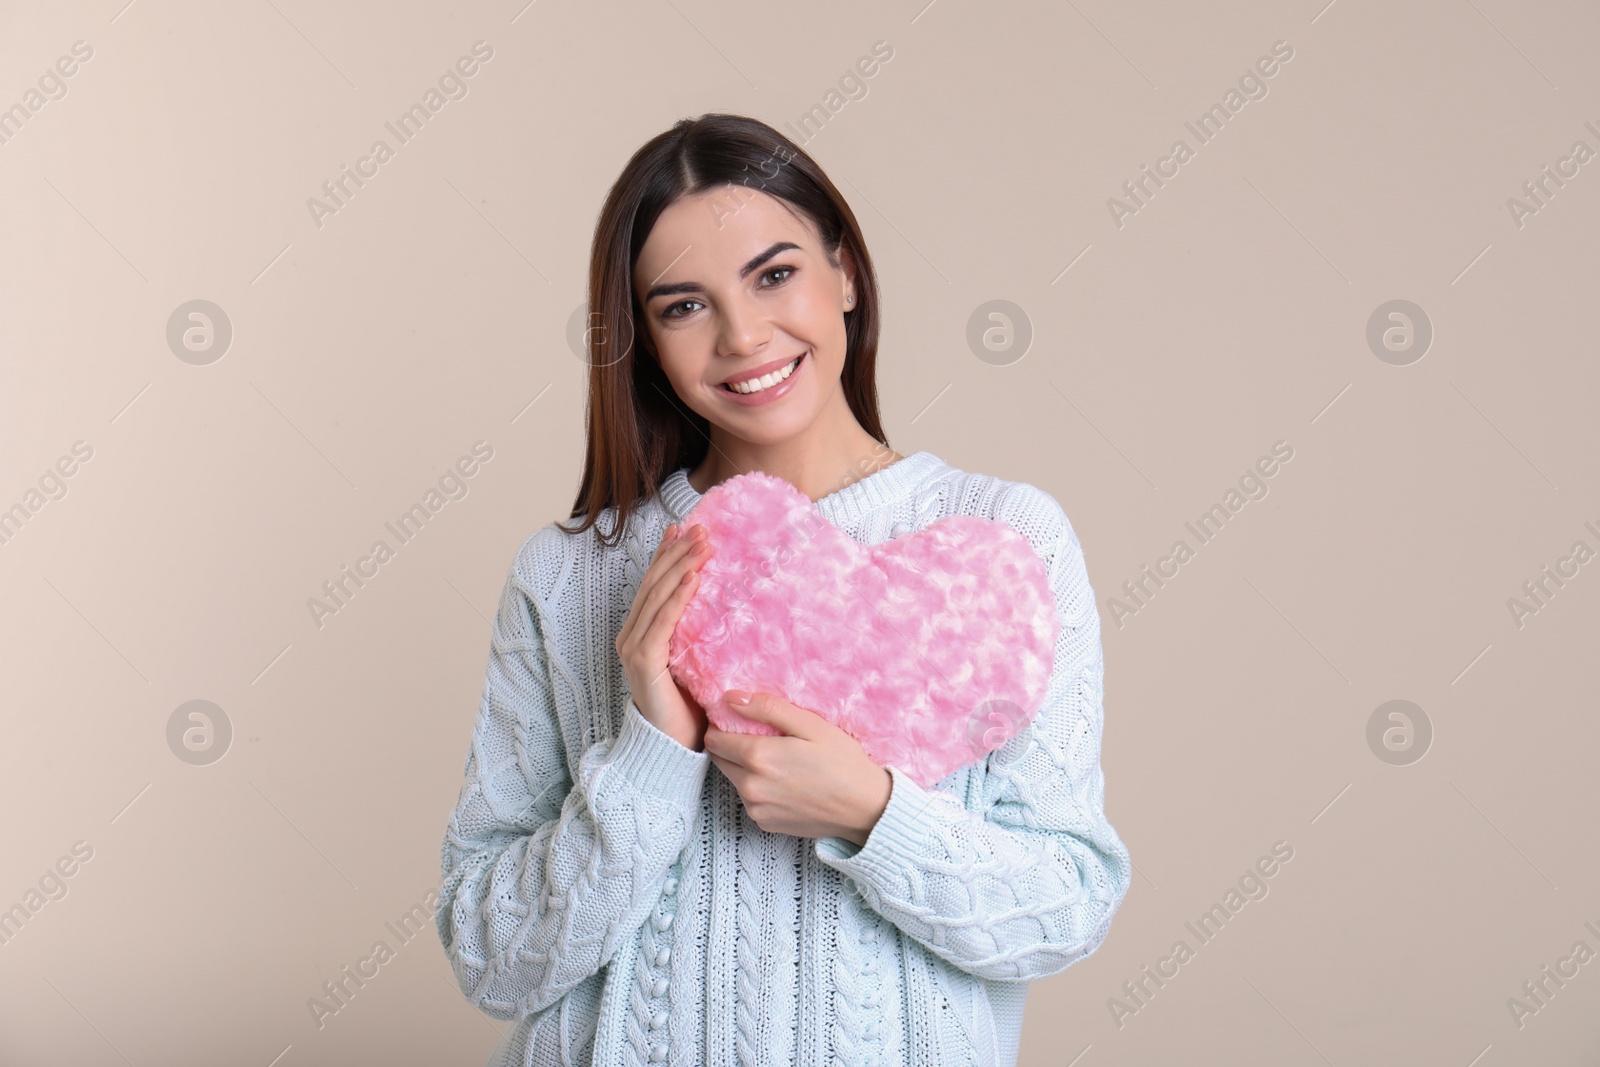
<point>735,286</point>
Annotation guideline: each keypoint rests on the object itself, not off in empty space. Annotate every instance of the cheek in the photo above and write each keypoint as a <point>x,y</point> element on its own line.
<point>675,352</point>
<point>815,312</point>
<point>821,303</point>
<point>683,359</point>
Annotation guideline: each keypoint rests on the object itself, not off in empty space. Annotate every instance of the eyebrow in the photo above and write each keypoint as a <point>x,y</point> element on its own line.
<point>744,272</point>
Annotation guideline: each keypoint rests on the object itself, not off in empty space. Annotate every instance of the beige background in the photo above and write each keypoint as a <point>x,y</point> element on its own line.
<point>1229,313</point>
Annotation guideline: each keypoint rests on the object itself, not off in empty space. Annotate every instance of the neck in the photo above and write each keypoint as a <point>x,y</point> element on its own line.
<point>827,456</point>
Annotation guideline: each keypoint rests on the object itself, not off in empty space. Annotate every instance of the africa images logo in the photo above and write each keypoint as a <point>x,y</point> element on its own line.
<point>992,724</point>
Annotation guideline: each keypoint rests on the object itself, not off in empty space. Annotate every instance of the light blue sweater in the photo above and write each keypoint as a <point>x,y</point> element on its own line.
<point>603,887</point>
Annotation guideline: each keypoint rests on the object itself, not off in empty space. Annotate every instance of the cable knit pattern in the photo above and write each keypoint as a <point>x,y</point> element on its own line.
<point>765,951</point>
<point>866,1028</point>
<point>748,920</point>
<point>647,1031</point>
<point>598,893</point>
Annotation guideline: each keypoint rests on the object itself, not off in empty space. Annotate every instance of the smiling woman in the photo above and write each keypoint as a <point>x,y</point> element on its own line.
<point>717,285</point>
<point>629,884</point>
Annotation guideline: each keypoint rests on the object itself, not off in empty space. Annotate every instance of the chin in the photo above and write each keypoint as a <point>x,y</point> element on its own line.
<point>758,426</point>
<point>758,432</point>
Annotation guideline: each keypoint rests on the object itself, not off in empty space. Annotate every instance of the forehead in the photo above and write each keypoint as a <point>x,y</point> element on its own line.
<point>708,236</point>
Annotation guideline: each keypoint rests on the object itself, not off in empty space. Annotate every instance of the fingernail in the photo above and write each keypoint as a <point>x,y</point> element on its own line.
<point>737,697</point>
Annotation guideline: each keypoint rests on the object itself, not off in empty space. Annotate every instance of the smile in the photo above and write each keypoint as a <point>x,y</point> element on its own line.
<point>766,381</point>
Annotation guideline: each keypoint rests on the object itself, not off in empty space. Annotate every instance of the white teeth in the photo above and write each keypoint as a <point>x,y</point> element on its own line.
<point>766,381</point>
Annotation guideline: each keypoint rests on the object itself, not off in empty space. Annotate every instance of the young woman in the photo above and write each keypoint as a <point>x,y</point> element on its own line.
<point>627,884</point>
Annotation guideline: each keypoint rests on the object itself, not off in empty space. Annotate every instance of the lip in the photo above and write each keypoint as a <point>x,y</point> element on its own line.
<point>756,372</point>
<point>777,392</point>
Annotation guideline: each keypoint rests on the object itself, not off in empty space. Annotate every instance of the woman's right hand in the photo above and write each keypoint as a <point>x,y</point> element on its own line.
<point>642,644</point>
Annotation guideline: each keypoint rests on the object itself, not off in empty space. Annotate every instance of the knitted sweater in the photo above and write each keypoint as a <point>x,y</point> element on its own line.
<point>604,888</point>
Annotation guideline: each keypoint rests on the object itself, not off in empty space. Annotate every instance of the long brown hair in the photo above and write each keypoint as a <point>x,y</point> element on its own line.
<point>639,431</point>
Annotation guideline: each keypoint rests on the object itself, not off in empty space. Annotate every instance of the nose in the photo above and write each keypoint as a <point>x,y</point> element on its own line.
<point>743,329</point>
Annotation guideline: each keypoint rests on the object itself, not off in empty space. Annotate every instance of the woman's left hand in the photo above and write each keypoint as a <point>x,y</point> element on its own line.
<point>814,781</point>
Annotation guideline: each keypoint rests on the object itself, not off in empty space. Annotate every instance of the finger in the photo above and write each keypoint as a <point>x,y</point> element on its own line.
<point>670,557</point>
<point>780,714</point>
<point>669,535</point>
<point>666,619</point>
<point>672,535</point>
<point>667,584</point>
<point>667,553</point>
<point>733,772</point>
<point>732,747</point>
<point>659,635</point>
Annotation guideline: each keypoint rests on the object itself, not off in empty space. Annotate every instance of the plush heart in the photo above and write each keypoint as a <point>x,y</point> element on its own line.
<point>931,650</point>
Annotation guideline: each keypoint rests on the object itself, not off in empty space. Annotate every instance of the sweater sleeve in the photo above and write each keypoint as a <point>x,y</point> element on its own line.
<point>545,872</point>
<point>1026,886</point>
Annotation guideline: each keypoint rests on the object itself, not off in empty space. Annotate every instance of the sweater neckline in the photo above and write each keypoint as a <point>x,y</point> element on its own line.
<point>842,507</point>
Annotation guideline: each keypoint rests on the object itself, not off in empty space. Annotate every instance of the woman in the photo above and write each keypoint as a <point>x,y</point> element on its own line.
<point>604,887</point>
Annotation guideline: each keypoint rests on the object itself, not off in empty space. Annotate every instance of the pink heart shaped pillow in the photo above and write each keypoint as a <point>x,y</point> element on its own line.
<point>931,650</point>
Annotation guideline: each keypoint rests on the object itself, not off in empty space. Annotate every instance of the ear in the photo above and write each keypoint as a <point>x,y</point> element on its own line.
<point>847,264</point>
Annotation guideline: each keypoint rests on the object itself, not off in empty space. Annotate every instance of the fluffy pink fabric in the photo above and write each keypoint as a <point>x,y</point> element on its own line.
<point>932,649</point>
